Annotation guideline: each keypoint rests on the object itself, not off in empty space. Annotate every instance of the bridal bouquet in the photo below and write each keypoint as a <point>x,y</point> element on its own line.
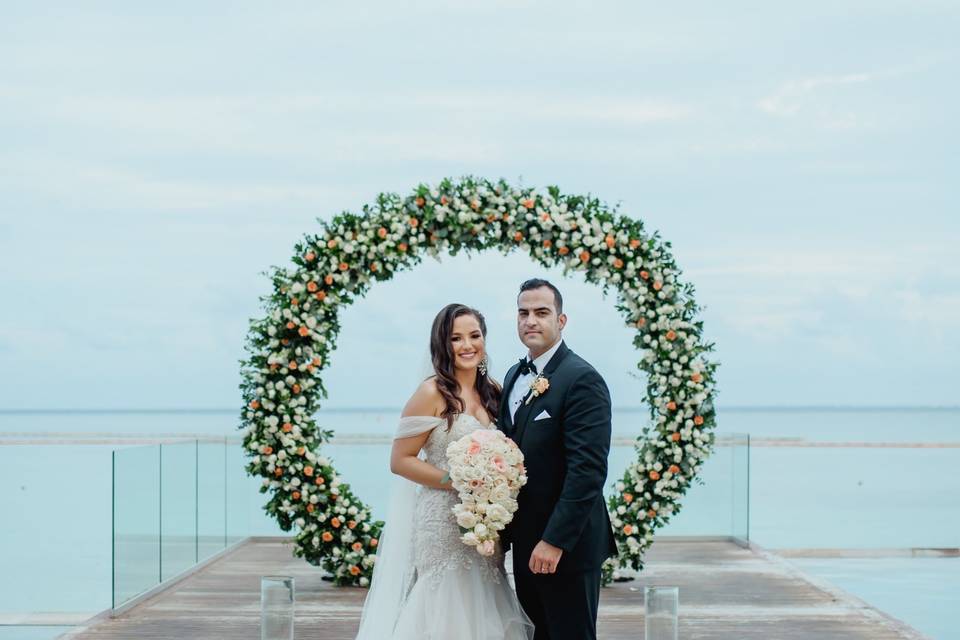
<point>486,468</point>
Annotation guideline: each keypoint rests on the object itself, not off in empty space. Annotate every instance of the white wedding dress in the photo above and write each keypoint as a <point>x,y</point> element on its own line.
<point>427,584</point>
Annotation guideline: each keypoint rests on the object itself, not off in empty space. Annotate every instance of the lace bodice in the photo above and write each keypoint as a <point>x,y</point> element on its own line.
<point>437,537</point>
<point>440,438</point>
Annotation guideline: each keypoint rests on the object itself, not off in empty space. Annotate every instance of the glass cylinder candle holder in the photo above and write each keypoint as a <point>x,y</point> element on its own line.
<point>276,608</point>
<point>660,606</point>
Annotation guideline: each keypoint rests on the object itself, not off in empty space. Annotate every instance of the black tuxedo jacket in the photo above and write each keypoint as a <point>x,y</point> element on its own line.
<point>565,455</point>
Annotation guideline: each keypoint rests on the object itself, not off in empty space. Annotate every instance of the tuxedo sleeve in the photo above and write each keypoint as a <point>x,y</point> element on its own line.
<point>586,441</point>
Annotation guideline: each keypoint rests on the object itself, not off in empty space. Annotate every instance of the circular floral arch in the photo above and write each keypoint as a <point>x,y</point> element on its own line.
<point>290,346</point>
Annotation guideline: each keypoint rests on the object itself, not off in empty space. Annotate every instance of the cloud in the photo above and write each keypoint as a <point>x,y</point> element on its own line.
<point>117,187</point>
<point>292,122</point>
<point>190,152</point>
<point>935,314</point>
<point>835,297</point>
<point>575,108</point>
<point>811,96</point>
<point>841,263</point>
<point>788,99</point>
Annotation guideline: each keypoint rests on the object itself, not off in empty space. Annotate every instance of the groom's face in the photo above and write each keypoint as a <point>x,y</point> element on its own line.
<point>538,323</point>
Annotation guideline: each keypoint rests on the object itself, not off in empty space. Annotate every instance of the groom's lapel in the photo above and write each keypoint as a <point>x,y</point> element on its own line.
<point>512,375</point>
<point>525,410</point>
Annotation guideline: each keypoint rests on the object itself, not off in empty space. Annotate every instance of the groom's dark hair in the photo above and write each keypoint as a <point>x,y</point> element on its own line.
<point>536,283</point>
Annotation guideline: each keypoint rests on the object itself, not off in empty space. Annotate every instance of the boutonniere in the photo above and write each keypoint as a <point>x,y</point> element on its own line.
<point>538,387</point>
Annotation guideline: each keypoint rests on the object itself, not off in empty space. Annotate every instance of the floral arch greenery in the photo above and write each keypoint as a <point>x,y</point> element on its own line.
<point>289,347</point>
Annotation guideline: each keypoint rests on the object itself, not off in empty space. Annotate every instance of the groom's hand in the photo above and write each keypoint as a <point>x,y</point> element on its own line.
<point>545,558</point>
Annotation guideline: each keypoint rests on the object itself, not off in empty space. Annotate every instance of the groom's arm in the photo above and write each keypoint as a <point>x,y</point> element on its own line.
<point>586,439</point>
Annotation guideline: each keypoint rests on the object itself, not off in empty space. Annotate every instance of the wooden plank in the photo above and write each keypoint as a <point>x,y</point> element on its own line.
<point>726,591</point>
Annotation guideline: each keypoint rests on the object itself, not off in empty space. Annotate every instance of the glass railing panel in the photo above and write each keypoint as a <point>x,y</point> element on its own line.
<point>741,486</point>
<point>136,521</point>
<point>714,508</point>
<point>55,519</point>
<point>241,492</point>
<point>178,492</point>
<point>211,498</point>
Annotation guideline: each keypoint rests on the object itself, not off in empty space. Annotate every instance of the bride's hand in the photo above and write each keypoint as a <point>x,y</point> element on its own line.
<point>405,462</point>
<point>446,482</point>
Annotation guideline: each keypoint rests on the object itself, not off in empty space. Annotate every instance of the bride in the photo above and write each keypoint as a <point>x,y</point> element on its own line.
<point>427,584</point>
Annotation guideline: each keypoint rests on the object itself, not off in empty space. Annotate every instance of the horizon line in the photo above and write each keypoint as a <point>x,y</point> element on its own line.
<point>384,409</point>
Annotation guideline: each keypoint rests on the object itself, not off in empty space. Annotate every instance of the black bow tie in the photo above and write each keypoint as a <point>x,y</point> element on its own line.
<point>527,366</point>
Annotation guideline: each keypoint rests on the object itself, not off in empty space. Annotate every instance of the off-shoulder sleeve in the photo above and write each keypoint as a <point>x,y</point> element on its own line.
<point>410,426</point>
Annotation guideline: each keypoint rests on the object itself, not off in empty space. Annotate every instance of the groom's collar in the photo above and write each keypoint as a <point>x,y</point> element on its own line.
<point>541,361</point>
<point>522,417</point>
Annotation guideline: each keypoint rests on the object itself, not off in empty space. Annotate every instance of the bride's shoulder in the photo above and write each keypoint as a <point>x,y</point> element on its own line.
<point>425,401</point>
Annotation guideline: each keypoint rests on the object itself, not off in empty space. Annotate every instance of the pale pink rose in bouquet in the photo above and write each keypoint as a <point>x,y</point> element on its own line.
<point>486,469</point>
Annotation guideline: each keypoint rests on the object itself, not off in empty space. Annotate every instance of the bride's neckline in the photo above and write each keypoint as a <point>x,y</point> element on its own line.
<point>490,425</point>
<point>475,419</point>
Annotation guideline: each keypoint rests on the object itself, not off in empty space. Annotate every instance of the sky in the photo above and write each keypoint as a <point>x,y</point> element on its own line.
<point>156,160</point>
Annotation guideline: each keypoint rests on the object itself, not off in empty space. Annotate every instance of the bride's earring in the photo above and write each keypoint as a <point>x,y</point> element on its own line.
<point>482,367</point>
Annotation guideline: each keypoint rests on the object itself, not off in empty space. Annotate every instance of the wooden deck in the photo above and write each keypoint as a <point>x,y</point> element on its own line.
<point>726,591</point>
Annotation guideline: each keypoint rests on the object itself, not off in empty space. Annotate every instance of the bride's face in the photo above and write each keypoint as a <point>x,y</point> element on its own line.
<point>467,342</point>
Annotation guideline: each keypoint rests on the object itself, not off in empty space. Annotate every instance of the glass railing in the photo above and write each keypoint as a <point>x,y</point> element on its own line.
<point>137,523</point>
<point>175,505</point>
<point>720,507</point>
<point>159,507</point>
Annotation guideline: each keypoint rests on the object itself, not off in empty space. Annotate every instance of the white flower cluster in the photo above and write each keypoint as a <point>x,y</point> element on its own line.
<point>487,471</point>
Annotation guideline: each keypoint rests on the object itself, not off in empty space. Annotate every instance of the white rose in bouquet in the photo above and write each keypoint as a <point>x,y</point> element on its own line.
<point>487,471</point>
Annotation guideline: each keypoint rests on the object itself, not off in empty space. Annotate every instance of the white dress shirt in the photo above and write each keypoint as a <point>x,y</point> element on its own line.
<point>522,385</point>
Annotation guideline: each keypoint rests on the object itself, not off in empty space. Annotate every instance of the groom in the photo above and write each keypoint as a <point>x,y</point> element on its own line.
<point>556,407</point>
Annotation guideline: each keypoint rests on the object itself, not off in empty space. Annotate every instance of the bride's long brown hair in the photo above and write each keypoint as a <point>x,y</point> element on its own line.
<point>441,352</point>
